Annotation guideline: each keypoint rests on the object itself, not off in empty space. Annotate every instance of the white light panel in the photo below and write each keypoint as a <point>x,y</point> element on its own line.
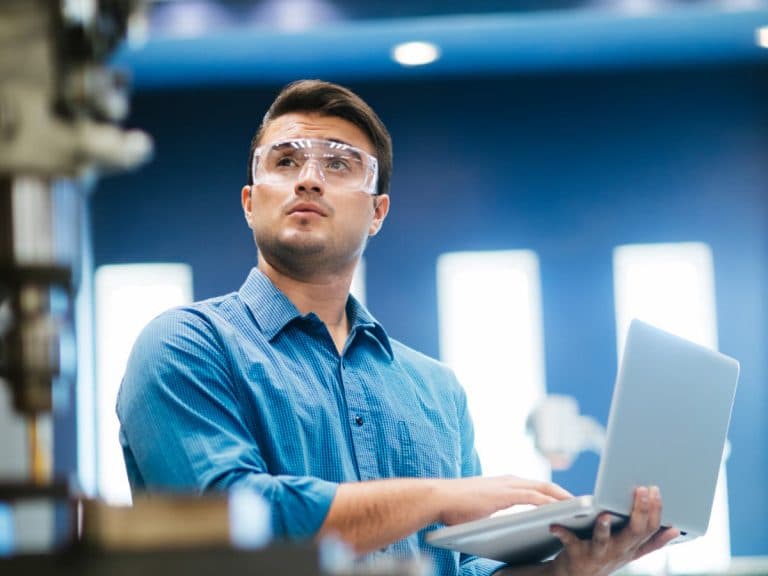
<point>357,288</point>
<point>672,286</point>
<point>491,335</point>
<point>761,37</point>
<point>127,297</point>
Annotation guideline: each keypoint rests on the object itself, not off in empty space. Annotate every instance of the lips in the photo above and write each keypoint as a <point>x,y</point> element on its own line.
<point>307,207</point>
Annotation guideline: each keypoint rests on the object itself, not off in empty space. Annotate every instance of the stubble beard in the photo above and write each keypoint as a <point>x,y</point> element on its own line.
<point>302,258</point>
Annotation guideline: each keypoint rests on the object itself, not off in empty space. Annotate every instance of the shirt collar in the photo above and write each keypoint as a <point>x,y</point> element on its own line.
<point>273,311</point>
<point>361,319</point>
<point>271,308</point>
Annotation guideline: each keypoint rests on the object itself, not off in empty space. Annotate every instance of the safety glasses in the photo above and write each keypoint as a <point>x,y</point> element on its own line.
<point>338,165</point>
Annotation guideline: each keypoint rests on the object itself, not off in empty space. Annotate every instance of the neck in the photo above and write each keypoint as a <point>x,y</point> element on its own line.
<point>325,294</point>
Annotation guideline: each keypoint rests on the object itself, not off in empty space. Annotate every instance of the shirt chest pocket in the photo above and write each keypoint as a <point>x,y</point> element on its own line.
<point>425,452</point>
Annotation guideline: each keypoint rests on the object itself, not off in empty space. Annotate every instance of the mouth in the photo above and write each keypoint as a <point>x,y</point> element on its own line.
<point>306,208</point>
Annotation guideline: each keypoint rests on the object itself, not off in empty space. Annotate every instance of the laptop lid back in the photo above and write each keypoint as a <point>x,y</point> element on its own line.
<point>668,423</point>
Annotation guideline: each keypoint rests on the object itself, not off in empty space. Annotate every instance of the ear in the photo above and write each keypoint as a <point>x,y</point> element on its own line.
<point>380,211</point>
<point>245,194</point>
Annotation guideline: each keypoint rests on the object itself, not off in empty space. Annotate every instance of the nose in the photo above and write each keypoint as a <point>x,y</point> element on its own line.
<point>310,178</point>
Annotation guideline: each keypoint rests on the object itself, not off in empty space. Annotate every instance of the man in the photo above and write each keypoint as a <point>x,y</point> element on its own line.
<point>289,386</point>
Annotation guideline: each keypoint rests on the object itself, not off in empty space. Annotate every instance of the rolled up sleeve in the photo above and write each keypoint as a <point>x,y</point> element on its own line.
<point>182,427</point>
<point>474,566</point>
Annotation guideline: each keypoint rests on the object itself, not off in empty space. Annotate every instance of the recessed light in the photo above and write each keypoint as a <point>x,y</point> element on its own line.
<point>415,53</point>
<point>761,37</point>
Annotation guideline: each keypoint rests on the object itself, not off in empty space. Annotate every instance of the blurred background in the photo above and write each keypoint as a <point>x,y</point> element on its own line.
<point>559,167</point>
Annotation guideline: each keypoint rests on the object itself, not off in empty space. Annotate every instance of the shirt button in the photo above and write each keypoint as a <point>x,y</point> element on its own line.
<point>359,420</point>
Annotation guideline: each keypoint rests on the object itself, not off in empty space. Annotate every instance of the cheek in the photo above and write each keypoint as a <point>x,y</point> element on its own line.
<point>265,204</point>
<point>356,219</point>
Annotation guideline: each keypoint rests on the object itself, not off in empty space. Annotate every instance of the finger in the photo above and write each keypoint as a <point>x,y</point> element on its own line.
<point>548,488</point>
<point>636,533</point>
<point>531,496</point>
<point>658,540</point>
<point>654,511</point>
<point>567,537</point>
<point>601,534</point>
<point>555,491</point>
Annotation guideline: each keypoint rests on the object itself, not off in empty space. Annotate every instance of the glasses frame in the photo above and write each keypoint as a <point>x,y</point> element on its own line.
<point>369,184</point>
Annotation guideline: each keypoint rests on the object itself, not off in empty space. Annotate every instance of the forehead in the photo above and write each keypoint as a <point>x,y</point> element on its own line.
<point>308,125</point>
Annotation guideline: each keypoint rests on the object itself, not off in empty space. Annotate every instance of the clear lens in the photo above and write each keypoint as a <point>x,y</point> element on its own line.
<point>339,165</point>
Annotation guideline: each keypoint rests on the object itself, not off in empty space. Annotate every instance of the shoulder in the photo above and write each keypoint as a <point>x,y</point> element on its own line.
<point>426,369</point>
<point>185,329</point>
<point>412,357</point>
<point>197,316</point>
<point>178,347</point>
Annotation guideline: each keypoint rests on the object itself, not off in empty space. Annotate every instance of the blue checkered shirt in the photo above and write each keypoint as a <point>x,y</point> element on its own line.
<point>245,391</point>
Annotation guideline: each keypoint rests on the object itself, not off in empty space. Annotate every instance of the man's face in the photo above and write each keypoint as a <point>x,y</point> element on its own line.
<point>307,226</point>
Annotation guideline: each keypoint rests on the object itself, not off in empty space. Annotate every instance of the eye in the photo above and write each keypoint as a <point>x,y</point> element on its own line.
<point>286,162</point>
<point>338,164</point>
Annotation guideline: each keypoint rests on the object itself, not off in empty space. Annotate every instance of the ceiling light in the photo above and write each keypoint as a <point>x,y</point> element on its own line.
<point>415,53</point>
<point>761,37</point>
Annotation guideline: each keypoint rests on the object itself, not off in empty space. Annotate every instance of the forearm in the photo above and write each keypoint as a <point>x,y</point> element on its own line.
<point>371,515</point>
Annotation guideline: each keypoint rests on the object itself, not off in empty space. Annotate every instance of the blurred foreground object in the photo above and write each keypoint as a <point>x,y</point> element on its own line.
<point>59,109</point>
<point>59,103</point>
<point>223,533</point>
<point>240,519</point>
<point>560,433</point>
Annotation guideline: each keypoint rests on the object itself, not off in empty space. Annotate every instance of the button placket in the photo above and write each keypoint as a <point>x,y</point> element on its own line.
<point>363,439</point>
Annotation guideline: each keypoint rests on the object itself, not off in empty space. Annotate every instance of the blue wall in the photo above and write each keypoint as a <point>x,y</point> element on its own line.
<point>567,165</point>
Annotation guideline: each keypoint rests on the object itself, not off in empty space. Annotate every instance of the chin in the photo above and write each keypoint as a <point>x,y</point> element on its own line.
<point>301,244</point>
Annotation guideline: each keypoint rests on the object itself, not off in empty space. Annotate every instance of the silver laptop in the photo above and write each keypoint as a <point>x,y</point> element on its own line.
<point>667,427</point>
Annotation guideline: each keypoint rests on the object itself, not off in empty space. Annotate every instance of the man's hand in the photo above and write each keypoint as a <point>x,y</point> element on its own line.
<point>467,499</point>
<point>604,554</point>
<point>373,514</point>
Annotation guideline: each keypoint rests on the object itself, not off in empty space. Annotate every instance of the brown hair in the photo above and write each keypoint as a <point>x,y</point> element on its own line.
<point>327,99</point>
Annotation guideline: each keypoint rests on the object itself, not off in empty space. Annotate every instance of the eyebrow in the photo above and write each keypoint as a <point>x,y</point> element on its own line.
<point>353,149</point>
<point>281,145</point>
<point>286,143</point>
<point>339,141</point>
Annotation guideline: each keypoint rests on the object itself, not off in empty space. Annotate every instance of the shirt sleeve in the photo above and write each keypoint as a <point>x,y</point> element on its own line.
<point>474,566</point>
<point>182,427</point>
<point>470,466</point>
